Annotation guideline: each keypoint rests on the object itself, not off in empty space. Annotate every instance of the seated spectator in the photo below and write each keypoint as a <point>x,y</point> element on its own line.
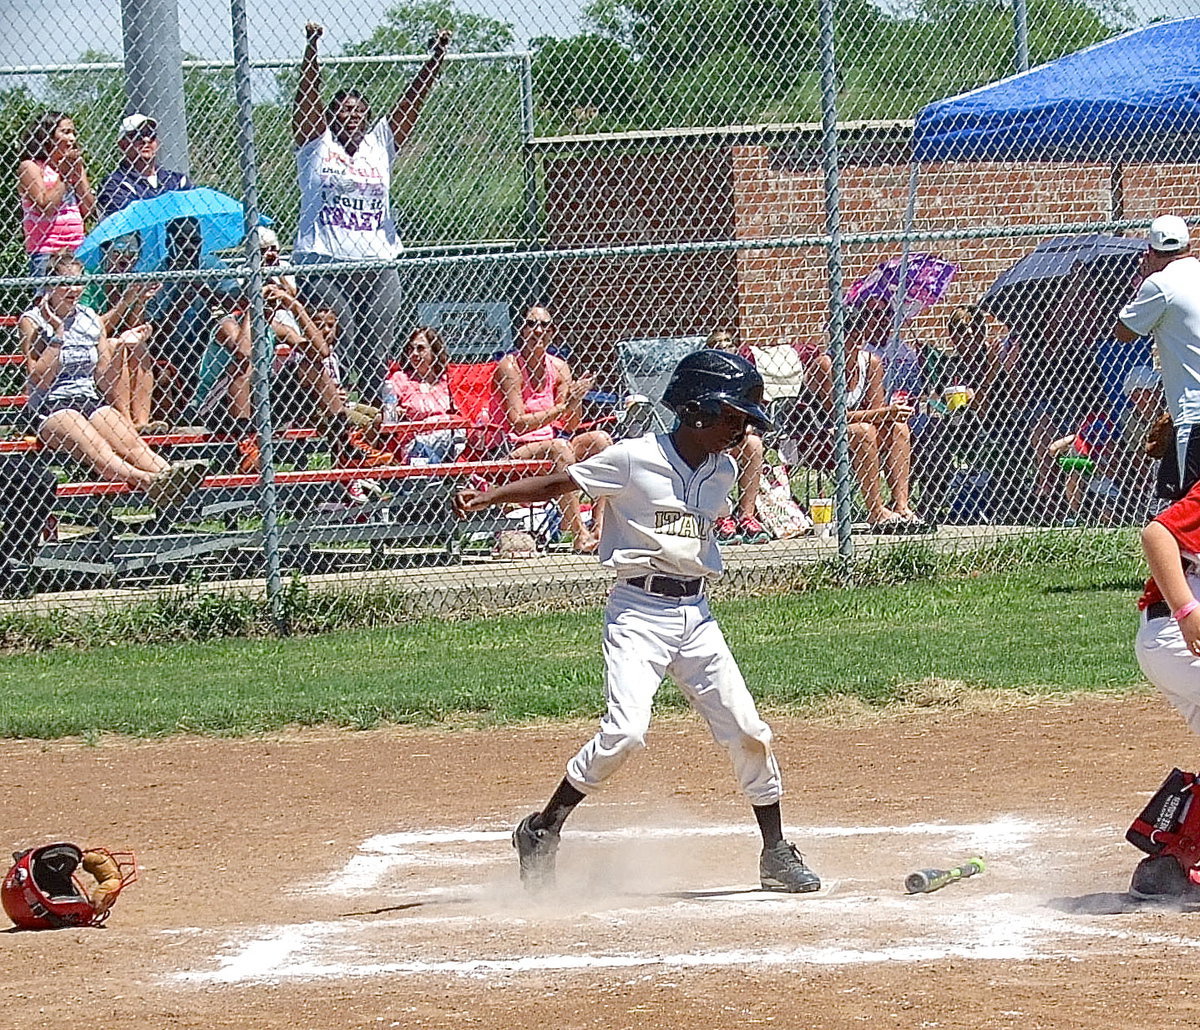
<point>743,526</point>
<point>301,386</point>
<point>960,371</point>
<point>541,406</point>
<point>56,198</point>
<point>138,175</point>
<point>1144,402</point>
<point>1087,457</point>
<point>184,312</point>
<point>268,247</point>
<point>898,358</point>
<point>880,439</point>
<point>420,390</point>
<point>122,309</point>
<point>70,362</point>
<point>1056,380</point>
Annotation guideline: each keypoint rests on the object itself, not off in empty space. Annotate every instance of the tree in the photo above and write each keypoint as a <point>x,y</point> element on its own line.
<point>18,109</point>
<point>588,78</point>
<point>407,29</point>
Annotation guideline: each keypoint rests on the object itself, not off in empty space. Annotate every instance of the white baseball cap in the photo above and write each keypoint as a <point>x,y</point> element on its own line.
<point>1141,377</point>
<point>1168,234</point>
<point>266,237</point>
<point>133,122</point>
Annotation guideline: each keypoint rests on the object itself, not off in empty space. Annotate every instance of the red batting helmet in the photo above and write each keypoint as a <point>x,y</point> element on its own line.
<point>41,892</point>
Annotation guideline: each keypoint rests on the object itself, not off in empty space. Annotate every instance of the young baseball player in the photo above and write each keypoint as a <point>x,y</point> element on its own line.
<point>664,493</point>
<point>1168,650</point>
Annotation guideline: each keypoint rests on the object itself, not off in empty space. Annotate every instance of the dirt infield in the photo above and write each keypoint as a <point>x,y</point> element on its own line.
<point>334,880</point>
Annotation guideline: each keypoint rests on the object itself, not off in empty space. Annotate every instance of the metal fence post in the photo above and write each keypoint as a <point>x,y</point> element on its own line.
<point>830,162</point>
<point>533,228</point>
<point>263,352</point>
<point>154,73</point>
<point>1020,36</point>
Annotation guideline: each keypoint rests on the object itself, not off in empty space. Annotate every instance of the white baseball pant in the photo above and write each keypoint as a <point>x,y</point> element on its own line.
<point>1169,665</point>
<point>647,637</point>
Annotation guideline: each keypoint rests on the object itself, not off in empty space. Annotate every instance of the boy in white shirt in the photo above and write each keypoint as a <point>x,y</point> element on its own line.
<point>664,493</point>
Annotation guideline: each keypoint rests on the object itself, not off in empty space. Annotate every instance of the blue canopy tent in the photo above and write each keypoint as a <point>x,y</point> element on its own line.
<point>1134,96</point>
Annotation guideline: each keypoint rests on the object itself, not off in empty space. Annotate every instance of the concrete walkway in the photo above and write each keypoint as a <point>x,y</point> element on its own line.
<point>482,584</point>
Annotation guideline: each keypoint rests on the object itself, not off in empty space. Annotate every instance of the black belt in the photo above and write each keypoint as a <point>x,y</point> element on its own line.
<point>668,586</point>
<point>1158,610</point>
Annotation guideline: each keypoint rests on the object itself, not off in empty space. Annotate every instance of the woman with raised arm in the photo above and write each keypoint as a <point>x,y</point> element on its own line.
<point>344,163</point>
<point>70,362</point>
<point>52,183</point>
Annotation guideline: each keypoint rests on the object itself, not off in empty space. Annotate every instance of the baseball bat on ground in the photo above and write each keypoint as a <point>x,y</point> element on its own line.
<point>924,881</point>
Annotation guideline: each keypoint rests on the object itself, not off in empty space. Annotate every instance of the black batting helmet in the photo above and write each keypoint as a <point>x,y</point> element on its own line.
<point>707,380</point>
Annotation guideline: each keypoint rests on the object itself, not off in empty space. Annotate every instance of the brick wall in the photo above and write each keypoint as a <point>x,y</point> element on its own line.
<point>687,193</point>
<point>639,198</point>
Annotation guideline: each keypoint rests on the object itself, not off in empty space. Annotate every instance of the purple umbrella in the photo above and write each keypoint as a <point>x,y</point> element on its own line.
<point>925,281</point>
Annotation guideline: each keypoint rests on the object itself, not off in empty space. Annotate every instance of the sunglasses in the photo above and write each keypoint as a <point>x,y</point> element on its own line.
<point>142,134</point>
<point>538,323</point>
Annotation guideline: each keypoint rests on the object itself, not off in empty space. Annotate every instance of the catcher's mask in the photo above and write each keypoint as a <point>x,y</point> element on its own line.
<point>42,892</point>
<point>707,380</point>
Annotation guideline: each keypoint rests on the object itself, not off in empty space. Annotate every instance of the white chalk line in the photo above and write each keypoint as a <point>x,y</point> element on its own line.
<point>992,926</point>
<point>286,954</point>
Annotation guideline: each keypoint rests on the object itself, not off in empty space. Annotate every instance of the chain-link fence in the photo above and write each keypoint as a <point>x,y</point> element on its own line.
<point>484,238</point>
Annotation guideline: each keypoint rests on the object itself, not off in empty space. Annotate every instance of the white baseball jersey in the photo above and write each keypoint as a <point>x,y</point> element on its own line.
<point>660,511</point>
<point>1168,307</point>
<point>659,519</point>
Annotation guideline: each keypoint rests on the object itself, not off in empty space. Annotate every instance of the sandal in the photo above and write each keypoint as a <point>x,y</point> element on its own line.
<point>917,524</point>
<point>893,525</point>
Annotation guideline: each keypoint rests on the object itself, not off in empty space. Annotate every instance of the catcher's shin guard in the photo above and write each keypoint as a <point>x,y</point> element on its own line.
<point>1170,823</point>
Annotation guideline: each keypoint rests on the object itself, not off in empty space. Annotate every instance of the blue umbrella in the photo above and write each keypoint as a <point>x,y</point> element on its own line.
<point>220,218</point>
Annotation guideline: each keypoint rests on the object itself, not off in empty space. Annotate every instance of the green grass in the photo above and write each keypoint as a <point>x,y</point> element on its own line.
<point>1051,630</point>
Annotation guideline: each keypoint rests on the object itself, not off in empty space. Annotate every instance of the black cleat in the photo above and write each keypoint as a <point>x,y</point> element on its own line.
<point>537,850</point>
<point>781,868</point>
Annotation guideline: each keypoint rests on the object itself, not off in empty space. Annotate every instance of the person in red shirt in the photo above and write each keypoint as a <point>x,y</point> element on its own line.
<point>1168,650</point>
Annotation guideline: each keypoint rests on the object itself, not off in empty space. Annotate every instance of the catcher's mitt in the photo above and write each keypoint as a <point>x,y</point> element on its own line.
<point>1159,437</point>
<point>41,890</point>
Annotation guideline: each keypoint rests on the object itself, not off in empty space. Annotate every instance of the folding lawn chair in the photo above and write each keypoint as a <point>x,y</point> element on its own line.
<point>473,395</point>
<point>646,365</point>
<point>799,435</point>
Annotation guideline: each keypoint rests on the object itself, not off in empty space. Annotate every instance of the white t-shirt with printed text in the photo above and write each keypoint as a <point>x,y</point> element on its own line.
<point>660,511</point>
<point>345,203</point>
<point>1168,307</point>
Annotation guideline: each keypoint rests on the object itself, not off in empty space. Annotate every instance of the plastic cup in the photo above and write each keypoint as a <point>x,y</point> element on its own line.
<point>957,397</point>
<point>820,509</point>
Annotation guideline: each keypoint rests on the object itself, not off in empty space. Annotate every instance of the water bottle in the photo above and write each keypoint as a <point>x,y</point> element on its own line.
<point>390,410</point>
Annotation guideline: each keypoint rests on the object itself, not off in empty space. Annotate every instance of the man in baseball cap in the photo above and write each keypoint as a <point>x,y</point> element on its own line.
<point>1169,235</point>
<point>138,176</point>
<point>1167,307</point>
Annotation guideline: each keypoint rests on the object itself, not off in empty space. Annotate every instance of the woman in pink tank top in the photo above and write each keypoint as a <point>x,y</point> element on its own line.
<point>52,183</point>
<point>542,404</point>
